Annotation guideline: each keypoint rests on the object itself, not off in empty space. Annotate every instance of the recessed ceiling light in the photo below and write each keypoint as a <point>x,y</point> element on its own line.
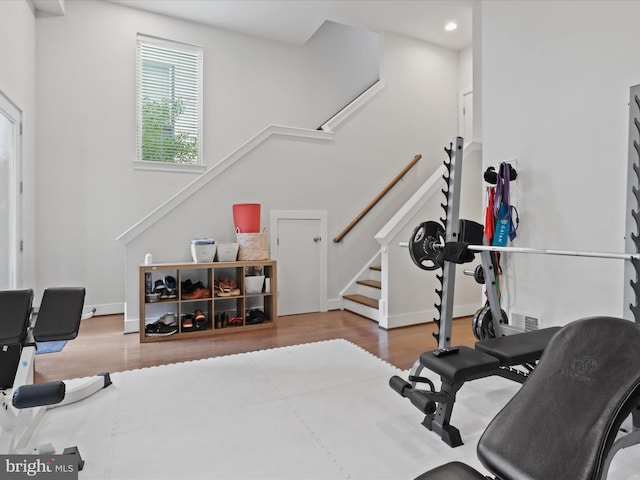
<point>451,26</point>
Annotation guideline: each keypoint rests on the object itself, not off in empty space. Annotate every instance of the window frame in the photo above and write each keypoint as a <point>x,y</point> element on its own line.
<point>169,45</point>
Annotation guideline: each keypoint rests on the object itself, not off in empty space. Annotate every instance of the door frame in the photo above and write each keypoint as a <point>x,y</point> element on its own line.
<point>14,114</point>
<point>461,114</point>
<point>275,215</point>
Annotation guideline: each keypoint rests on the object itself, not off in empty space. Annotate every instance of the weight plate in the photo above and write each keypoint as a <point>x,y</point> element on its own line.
<point>476,323</point>
<point>478,275</point>
<point>421,249</point>
<point>482,323</point>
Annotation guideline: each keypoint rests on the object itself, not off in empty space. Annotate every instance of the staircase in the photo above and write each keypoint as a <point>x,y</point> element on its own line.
<point>365,300</point>
<point>368,293</point>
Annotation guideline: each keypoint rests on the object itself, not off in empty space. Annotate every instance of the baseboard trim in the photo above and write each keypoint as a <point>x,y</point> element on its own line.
<point>427,316</point>
<point>132,325</point>
<point>107,308</point>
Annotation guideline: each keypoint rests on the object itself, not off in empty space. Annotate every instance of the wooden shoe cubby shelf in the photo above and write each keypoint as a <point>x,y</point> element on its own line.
<point>223,314</point>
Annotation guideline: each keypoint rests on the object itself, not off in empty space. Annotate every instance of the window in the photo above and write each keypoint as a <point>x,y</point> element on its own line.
<point>169,103</point>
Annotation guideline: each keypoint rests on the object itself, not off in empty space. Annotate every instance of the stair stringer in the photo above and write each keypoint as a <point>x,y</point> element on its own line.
<point>208,176</point>
<point>352,288</point>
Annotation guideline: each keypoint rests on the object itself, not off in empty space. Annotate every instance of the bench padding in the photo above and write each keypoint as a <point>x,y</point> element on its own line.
<point>467,364</point>
<point>38,394</point>
<point>15,312</point>
<point>520,348</point>
<point>59,314</point>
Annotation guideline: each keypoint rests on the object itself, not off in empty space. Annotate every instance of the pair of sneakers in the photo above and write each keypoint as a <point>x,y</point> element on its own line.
<point>166,288</point>
<point>255,317</point>
<point>164,326</point>
<point>194,321</point>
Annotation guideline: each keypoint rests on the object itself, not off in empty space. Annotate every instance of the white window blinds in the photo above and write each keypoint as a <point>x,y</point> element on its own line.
<point>169,101</point>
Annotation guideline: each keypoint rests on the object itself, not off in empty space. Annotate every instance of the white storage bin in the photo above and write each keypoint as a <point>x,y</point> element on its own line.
<point>253,284</point>
<point>203,253</point>
<point>227,252</point>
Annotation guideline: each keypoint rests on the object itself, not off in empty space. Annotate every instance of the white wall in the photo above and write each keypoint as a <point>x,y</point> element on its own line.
<point>465,70</point>
<point>88,192</point>
<point>555,87</point>
<point>17,82</point>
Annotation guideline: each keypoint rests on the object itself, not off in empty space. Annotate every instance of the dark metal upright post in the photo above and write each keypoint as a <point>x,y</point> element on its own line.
<point>451,235</point>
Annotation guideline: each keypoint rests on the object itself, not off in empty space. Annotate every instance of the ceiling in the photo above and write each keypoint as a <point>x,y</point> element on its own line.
<point>295,21</point>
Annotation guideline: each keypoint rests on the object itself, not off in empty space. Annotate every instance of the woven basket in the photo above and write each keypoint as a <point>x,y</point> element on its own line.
<point>253,246</point>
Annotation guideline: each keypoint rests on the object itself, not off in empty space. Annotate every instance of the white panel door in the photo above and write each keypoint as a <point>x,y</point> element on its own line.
<point>299,254</point>
<point>10,195</point>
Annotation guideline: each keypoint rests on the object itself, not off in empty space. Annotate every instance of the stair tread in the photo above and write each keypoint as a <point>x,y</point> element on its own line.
<point>370,283</point>
<point>376,267</point>
<point>363,299</point>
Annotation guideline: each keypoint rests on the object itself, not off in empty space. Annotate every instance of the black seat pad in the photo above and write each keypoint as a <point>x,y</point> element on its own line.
<point>15,311</point>
<point>519,348</point>
<point>467,364</point>
<point>59,314</point>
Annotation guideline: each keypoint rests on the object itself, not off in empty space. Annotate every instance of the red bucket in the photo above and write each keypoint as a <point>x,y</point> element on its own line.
<point>246,217</point>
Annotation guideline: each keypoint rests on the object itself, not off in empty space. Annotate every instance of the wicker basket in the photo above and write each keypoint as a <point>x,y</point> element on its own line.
<point>253,246</point>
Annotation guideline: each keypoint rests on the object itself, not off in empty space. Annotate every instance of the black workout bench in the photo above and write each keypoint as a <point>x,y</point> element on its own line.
<point>566,422</point>
<point>512,357</point>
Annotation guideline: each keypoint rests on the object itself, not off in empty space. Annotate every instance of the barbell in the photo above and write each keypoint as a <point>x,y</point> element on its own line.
<point>426,246</point>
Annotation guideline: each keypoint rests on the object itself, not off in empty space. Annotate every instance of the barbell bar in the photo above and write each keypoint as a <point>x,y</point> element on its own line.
<point>540,251</point>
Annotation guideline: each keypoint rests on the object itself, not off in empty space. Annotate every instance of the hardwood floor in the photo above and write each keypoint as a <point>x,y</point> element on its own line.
<point>102,347</point>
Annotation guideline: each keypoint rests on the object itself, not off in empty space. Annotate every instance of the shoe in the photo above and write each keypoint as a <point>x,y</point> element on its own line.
<point>235,322</point>
<point>222,320</point>
<point>198,293</point>
<point>157,329</point>
<point>168,319</point>
<point>187,322</point>
<point>199,316</point>
<point>255,317</point>
<point>187,286</point>
<point>170,284</point>
<point>226,287</point>
<point>159,287</point>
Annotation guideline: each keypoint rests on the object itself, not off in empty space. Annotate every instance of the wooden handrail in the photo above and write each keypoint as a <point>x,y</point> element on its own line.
<point>373,203</point>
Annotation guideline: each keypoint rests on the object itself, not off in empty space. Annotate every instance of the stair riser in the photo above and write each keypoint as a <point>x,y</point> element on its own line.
<point>375,275</point>
<point>365,311</point>
<point>368,291</point>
